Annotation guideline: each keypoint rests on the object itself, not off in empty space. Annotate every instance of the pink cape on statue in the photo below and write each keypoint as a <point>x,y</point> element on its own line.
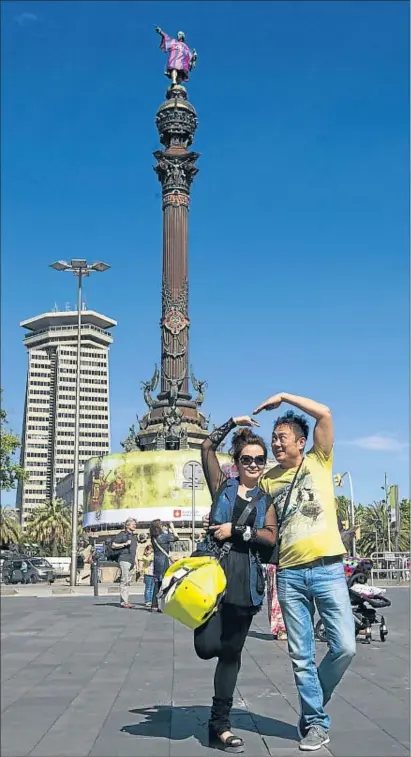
<point>180,55</point>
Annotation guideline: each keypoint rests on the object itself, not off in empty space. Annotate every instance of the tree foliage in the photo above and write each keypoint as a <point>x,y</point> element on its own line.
<point>374,521</point>
<point>10,470</point>
<point>50,527</point>
<point>10,531</point>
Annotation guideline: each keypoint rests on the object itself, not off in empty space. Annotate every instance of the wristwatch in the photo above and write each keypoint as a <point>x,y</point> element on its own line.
<point>247,534</point>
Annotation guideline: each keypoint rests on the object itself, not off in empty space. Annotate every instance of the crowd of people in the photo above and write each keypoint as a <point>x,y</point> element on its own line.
<point>281,529</point>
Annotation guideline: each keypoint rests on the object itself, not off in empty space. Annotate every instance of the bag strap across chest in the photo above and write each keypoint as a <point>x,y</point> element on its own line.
<point>225,549</point>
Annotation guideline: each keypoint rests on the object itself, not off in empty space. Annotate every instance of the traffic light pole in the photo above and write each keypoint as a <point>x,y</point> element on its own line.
<point>352,514</point>
<point>387,510</point>
<point>338,481</point>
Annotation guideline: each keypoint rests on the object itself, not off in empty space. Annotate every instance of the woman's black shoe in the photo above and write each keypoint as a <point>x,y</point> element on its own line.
<point>232,744</point>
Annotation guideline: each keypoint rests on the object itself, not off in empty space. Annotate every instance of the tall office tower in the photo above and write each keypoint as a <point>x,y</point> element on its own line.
<point>47,452</point>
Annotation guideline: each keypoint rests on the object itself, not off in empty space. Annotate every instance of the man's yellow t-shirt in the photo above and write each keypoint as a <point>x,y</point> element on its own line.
<point>310,528</point>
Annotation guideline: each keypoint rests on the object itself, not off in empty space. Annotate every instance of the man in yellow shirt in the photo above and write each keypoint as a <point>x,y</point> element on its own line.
<point>310,571</point>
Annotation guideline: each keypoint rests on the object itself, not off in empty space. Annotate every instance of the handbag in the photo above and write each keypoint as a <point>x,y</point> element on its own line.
<point>276,550</point>
<point>193,587</point>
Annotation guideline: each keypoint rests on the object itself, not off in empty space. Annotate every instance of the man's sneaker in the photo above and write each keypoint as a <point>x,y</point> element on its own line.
<point>302,728</point>
<point>316,738</point>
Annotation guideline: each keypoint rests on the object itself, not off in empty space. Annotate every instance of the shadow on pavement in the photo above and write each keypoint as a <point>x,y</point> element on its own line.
<point>192,721</point>
<point>259,635</point>
<point>117,604</point>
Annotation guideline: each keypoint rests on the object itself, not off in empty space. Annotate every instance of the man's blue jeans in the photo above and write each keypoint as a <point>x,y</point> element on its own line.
<point>298,589</point>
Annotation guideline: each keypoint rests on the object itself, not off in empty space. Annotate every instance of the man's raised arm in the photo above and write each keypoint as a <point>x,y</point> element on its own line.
<point>323,430</point>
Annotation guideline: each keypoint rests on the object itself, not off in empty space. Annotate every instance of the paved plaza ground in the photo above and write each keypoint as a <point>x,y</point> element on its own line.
<point>82,677</point>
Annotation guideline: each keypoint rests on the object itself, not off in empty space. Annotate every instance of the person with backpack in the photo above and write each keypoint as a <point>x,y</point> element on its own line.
<point>124,547</point>
<point>243,528</point>
<point>161,539</point>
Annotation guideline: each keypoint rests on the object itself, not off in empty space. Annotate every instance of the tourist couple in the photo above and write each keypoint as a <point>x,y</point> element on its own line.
<point>291,506</point>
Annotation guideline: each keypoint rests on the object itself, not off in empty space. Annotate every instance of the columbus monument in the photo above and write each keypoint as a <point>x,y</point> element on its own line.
<point>174,419</point>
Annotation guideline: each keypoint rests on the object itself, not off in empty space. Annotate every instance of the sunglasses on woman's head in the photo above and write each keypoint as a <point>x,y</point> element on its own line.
<point>259,460</point>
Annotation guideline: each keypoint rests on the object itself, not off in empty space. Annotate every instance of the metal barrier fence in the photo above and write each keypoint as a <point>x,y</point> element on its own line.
<point>392,567</point>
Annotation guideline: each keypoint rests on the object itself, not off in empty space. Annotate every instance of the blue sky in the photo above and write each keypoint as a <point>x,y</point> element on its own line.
<point>299,227</point>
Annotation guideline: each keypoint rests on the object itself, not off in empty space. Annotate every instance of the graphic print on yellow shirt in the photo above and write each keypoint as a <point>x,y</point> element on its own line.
<point>310,528</point>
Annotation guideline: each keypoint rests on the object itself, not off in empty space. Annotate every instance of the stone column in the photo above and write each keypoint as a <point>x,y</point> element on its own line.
<point>176,122</point>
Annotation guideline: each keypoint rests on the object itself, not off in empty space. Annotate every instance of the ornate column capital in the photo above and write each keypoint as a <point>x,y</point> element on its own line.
<point>176,174</point>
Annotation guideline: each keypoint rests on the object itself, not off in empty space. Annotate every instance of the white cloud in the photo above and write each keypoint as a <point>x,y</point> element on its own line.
<point>378,443</point>
<point>24,19</point>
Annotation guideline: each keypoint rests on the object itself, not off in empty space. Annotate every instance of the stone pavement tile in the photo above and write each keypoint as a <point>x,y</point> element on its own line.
<point>72,735</point>
<point>74,732</point>
<point>372,700</point>
<point>295,752</point>
<point>397,727</point>
<point>342,712</point>
<point>362,715</point>
<point>21,683</point>
<point>127,746</point>
<point>13,662</point>
<point>373,743</point>
<point>24,726</point>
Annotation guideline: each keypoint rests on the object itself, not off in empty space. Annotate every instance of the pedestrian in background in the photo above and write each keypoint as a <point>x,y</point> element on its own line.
<point>24,572</point>
<point>275,616</point>
<point>147,569</point>
<point>126,543</point>
<point>161,539</point>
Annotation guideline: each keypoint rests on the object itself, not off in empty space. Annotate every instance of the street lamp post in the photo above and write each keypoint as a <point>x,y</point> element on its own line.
<point>80,268</point>
<point>338,478</point>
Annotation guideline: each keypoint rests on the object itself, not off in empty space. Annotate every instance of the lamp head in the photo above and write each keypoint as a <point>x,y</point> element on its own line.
<point>60,265</point>
<point>99,266</point>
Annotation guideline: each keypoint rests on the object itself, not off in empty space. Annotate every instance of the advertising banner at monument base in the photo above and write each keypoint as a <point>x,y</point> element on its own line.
<point>145,486</point>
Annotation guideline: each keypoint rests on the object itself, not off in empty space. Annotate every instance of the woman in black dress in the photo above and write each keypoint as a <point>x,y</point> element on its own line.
<point>224,635</point>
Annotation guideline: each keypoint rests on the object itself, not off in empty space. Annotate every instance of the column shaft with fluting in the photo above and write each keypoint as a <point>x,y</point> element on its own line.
<point>174,316</point>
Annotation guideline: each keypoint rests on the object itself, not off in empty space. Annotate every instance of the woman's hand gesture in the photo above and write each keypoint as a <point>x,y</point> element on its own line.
<point>245,420</point>
<point>222,532</point>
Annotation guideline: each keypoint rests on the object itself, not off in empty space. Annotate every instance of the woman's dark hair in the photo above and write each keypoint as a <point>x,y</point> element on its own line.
<point>241,439</point>
<point>155,528</point>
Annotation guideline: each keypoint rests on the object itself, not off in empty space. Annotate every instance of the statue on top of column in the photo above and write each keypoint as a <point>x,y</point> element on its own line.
<point>181,60</point>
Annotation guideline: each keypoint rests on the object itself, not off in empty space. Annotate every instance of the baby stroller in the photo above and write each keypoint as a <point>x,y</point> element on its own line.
<point>365,601</point>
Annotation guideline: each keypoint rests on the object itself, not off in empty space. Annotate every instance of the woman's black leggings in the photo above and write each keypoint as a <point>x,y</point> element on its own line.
<point>223,636</point>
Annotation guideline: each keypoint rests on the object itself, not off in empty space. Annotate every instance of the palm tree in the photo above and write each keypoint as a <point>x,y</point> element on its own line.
<point>50,526</point>
<point>10,527</point>
<point>404,535</point>
<point>374,529</point>
<point>375,520</point>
